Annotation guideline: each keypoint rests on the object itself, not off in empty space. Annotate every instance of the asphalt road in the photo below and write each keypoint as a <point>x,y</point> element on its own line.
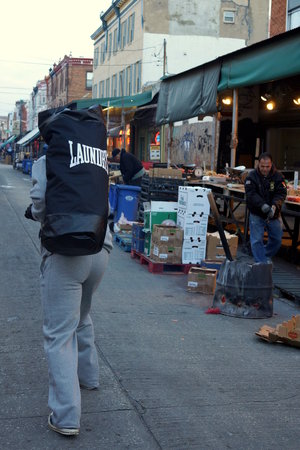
<point>172,377</point>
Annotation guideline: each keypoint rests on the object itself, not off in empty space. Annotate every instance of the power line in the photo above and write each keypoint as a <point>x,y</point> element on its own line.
<point>25,62</point>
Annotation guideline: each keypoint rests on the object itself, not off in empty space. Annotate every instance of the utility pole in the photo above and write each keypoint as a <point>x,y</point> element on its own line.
<point>163,129</point>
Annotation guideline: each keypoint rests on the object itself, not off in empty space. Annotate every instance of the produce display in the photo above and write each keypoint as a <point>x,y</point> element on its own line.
<point>293,195</point>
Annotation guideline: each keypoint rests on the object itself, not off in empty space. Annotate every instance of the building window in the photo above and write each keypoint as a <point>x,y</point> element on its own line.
<point>95,91</point>
<point>138,72</point>
<point>294,15</point>
<point>102,89</point>
<point>89,80</point>
<point>130,36</point>
<point>114,85</point>
<point>121,83</point>
<point>109,45</point>
<point>107,87</point>
<point>228,16</point>
<point>123,34</point>
<point>115,42</point>
<point>102,56</point>
<point>96,57</point>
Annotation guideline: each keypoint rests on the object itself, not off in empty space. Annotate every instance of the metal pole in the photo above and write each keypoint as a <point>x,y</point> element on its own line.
<point>162,128</point>
<point>234,137</point>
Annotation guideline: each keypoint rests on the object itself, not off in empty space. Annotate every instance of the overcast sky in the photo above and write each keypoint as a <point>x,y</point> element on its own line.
<point>35,34</point>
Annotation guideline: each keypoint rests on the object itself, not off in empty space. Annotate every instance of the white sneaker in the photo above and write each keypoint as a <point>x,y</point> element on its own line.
<point>64,431</point>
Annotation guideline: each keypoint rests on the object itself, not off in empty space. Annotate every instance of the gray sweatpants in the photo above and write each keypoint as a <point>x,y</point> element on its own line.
<point>67,287</point>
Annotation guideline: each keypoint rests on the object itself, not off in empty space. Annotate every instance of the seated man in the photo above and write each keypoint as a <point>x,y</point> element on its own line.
<point>131,168</point>
<point>265,192</point>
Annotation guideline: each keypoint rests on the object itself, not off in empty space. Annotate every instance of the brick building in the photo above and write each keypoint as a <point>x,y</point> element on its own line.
<point>69,80</point>
<point>284,16</point>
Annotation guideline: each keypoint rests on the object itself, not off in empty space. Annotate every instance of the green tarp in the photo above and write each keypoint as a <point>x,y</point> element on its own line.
<point>188,94</point>
<point>270,60</point>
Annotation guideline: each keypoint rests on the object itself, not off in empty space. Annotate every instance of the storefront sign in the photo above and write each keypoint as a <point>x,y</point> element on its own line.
<point>154,152</point>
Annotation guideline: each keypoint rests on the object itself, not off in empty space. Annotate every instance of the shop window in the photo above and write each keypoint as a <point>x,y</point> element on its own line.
<point>89,80</point>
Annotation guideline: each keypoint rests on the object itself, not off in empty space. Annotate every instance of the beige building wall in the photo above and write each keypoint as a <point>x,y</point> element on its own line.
<point>251,20</point>
<point>195,32</point>
<point>113,63</point>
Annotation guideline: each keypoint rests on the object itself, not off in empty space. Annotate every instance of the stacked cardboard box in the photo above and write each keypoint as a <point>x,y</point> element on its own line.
<point>202,280</point>
<point>192,217</point>
<point>157,213</point>
<point>166,244</point>
<point>214,248</point>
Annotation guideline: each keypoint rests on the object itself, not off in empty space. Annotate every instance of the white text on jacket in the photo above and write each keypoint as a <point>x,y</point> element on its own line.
<point>88,155</point>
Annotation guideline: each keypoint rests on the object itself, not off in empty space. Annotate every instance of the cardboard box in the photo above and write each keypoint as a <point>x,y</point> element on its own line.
<point>192,224</point>
<point>164,234</point>
<point>193,252</point>
<point>125,227</point>
<point>193,199</point>
<point>166,253</point>
<point>164,173</point>
<point>202,280</point>
<point>159,213</point>
<point>214,248</point>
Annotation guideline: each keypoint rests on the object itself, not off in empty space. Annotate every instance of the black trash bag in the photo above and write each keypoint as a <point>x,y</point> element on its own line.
<point>244,290</point>
<point>77,181</point>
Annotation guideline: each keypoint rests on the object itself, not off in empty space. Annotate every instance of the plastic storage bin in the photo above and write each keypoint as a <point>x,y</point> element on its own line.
<point>112,197</point>
<point>127,202</point>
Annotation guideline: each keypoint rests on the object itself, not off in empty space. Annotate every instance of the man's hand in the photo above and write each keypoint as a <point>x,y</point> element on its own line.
<point>28,213</point>
<point>266,208</point>
<point>272,212</point>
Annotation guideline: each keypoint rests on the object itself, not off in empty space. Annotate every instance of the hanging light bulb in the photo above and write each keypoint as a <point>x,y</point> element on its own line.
<point>270,105</point>
<point>264,99</point>
<point>296,101</point>
<point>227,100</point>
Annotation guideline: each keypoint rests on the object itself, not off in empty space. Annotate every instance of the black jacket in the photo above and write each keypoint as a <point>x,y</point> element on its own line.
<point>129,165</point>
<point>260,190</point>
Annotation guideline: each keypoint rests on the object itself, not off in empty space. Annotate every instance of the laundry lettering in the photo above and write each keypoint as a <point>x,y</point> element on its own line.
<point>87,155</point>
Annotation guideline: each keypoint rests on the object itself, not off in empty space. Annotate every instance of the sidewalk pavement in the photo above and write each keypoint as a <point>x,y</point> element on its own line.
<point>172,377</point>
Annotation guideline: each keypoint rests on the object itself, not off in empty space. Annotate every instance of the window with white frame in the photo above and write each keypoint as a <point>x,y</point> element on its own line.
<point>293,14</point>
<point>228,16</point>
<point>89,80</point>
<point>102,88</point>
<point>129,80</point>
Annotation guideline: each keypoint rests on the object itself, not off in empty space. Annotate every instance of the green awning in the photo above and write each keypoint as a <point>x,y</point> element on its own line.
<point>117,102</point>
<point>268,60</point>
<point>8,141</point>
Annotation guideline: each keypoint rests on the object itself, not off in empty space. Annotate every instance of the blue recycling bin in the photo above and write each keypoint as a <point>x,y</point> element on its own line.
<point>113,197</point>
<point>27,166</point>
<point>127,202</point>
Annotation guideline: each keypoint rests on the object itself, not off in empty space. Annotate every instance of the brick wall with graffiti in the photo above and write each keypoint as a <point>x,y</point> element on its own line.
<point>192,144</point>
